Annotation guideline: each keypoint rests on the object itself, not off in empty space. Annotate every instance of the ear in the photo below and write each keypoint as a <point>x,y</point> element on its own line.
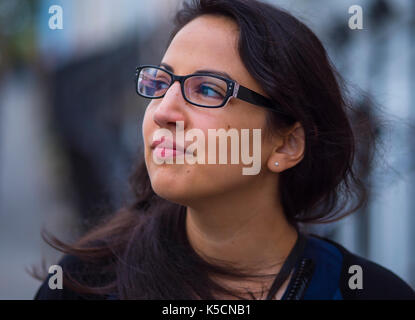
<point>289,149</point>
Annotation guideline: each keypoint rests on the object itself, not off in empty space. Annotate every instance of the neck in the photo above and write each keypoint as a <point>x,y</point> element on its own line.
<point>249,233</point>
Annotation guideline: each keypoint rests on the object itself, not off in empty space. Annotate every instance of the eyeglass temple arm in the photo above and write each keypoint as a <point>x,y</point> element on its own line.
<point>250,96</point>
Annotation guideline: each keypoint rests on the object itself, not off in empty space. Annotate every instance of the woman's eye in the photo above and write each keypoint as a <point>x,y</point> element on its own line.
<point>209,92</point>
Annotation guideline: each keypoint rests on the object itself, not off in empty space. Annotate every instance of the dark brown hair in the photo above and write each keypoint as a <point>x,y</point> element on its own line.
<point>143,247</point>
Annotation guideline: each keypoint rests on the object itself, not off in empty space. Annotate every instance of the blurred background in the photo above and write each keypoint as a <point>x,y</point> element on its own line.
<point>70,120</point>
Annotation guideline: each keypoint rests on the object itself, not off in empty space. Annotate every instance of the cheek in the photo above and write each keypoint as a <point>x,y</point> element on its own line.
<point>147,129</point>
<point>146,126</point>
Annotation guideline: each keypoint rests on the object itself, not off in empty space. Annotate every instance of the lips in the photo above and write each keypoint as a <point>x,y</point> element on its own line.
<point>167,148</point>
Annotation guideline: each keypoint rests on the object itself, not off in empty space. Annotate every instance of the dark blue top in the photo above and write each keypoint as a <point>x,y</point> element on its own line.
<point>328,271</point>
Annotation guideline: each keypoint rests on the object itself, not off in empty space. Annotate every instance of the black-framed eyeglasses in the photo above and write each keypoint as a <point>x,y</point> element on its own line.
<point>200,89</point>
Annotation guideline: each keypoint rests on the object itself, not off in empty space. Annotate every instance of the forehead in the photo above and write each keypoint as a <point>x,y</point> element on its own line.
<point>207,42</point>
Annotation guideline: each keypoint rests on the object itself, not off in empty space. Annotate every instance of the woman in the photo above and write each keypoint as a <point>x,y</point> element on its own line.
<point>206,230</point>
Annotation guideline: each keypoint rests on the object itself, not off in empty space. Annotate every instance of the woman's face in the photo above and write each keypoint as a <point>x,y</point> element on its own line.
<point>207,42</point>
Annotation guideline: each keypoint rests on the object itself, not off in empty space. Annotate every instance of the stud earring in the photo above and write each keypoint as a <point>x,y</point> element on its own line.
<point>276,163</point>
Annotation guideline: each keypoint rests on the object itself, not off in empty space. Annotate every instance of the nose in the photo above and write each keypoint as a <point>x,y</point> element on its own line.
<point>170,108</point>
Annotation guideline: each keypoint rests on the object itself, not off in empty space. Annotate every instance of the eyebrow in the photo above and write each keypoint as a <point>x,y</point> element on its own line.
<point>211,71</point>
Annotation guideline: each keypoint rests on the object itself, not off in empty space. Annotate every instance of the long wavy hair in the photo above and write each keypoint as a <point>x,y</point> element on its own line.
<point>142,249</point>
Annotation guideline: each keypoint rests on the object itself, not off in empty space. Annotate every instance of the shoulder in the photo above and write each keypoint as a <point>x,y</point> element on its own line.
<point>80,271</point>
<point>359,278</point>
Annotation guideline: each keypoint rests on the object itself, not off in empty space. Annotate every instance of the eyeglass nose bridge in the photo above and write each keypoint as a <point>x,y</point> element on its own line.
<point>181,80</point>
<point>175,78</point>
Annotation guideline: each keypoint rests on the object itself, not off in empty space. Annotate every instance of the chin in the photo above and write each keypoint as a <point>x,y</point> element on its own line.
<point>173,196</point>
<point>171,187</point>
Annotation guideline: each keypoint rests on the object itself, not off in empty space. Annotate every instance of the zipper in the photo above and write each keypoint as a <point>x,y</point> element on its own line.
<point>302,278</point>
